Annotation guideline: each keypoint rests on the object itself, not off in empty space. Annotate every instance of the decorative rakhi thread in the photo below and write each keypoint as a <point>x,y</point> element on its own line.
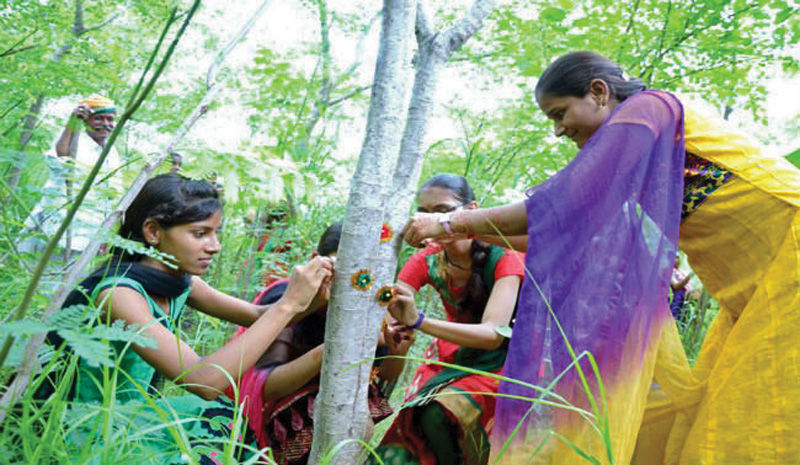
<point>385,295</point>
<point>361,280</point>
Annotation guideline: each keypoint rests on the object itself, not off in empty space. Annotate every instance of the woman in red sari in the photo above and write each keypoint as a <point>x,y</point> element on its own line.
<point>448,420</point>
<point>279,392</point>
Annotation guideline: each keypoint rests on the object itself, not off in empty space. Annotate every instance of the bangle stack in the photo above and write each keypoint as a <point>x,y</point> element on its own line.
<point>419,321</point>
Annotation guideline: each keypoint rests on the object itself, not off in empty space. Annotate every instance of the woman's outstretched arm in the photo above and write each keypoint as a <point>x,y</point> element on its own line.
<point>291,376</point>
<point>506,220</point>
<point>209,376</point>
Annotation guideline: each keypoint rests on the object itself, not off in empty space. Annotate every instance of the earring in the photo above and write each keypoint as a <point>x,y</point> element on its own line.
<point>153,242</point>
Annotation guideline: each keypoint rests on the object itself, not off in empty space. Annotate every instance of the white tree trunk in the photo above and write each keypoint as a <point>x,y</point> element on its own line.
<point>434,50</point>
<point>354,315</point>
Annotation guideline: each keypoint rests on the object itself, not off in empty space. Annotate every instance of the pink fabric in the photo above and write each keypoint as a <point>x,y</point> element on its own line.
<point>251,390</point>
<point>251,385</point>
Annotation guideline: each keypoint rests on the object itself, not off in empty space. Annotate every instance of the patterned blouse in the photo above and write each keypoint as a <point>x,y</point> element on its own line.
<point>701,178</point>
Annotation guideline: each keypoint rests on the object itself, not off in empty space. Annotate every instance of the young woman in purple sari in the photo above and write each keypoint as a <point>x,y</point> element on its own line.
<point>602,235</point>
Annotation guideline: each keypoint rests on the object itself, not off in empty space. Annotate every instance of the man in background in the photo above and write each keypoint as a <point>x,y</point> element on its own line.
<point>77,150</point>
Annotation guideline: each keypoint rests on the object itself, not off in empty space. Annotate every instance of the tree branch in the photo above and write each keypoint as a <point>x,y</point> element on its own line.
<point>213,70</point>
<point>457,35</point>
<point>688,35</point>
<point>349,95</point>
<point>358,51</point>
<point>10,109</point>
<point>422,28</point>
<point>10,52</point>
<point>77,26</point>
<point>102,24</point>
<point>13,49</point>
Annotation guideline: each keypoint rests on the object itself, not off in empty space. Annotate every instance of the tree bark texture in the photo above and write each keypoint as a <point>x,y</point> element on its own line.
<point>354,315</point>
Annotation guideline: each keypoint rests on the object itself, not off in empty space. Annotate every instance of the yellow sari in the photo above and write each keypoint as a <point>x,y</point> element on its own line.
<point>740,403</point>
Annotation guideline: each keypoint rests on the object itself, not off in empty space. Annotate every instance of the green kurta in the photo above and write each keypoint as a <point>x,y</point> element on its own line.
<point>144,425</point>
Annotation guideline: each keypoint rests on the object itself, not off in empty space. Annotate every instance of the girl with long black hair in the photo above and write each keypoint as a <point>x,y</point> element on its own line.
<point>179,217</point>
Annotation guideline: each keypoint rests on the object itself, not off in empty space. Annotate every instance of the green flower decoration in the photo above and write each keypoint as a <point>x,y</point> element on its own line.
<point>385,295</point>
<point>361,280</point>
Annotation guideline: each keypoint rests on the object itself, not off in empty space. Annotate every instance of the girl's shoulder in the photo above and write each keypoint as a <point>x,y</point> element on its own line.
<point>510,263</point>
<point>114,282</point>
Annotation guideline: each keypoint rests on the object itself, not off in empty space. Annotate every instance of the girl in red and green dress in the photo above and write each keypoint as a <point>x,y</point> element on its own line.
<point>448,420</point>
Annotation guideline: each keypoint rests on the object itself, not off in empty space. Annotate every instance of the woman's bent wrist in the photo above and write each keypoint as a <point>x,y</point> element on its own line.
<point>284,308</point>
<point>417,322</point>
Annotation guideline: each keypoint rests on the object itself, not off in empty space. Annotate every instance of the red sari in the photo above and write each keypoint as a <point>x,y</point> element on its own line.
<point>286,425</point>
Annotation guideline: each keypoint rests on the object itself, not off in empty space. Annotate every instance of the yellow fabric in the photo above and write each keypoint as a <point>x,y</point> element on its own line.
<point>624,415</point>
<point>740,403</point>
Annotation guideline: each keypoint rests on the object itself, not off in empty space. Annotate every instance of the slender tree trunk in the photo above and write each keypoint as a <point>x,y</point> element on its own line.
<point>434,51</point>
<point>28,125</point>
<point>354,315</point>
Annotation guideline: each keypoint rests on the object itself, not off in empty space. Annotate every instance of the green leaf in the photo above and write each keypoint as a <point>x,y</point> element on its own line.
<point>794,158</point>
<point>504,331</point>
<point>553,14</point>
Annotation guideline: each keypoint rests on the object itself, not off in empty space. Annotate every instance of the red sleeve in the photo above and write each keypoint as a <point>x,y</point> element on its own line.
<point>510,264</point>
<point>415,271</point>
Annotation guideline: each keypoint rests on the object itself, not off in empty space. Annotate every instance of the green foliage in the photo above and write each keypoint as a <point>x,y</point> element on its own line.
<point>794,158</point>
<point>299,106</point>
<point>717,48</point>
<point>76,326</point>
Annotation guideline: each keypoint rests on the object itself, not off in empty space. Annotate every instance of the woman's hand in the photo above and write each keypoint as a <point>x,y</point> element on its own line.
<point>323,295</point>
<point>402,306</point>
<point>423,226</point>
<point>306,282</point>
<point>397,337</point>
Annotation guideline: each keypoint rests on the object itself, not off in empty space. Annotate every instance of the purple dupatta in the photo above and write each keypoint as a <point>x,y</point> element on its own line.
<point>602,239</point>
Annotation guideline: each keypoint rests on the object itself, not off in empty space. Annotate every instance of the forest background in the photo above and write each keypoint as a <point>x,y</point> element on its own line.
<point>285,128</point>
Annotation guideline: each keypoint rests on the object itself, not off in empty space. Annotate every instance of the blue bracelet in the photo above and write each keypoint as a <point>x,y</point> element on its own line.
<point>419,321</point>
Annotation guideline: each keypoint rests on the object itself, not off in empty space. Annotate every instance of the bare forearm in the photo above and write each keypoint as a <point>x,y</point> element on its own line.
<point>476,336</point>
<point>518,243</point>
<point>238,355</point>
<point>506,220</point>
<point>225,307</point>
<point>290,377</point>
<point>67,135</point>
